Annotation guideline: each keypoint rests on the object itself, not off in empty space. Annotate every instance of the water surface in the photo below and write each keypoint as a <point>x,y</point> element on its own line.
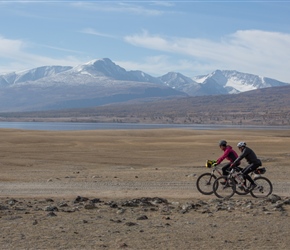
<point>61,126</point>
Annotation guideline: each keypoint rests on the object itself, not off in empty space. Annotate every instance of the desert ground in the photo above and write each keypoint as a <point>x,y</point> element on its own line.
<point>135,189</point>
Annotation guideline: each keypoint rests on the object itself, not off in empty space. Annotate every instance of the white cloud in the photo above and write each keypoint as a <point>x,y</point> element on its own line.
<point>251,51</point>
<point>165,4</point>
<point>14,57</point>
<point>91,31</point>
<point>9,48</point>
<point>158,65</point>
<point>118,7</point>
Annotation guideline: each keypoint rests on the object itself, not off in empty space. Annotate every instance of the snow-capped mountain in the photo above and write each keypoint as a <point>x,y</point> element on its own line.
<point>32,75</point>
<point>181,83</point>
<point>105,67</point>
<point>102,82</point>
<point>231,82</point>
<point>92,84</point>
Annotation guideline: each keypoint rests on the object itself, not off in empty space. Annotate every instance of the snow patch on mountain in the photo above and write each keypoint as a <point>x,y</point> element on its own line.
<point>235,82</point>
<point>103,72</point>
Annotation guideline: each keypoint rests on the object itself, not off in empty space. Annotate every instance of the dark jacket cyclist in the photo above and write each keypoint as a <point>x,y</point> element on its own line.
<point>252,160</point>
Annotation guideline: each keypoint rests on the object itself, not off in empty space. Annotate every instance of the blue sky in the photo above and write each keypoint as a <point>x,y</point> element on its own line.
<point>190,37</point>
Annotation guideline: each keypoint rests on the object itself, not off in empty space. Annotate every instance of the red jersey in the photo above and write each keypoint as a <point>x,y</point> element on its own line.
<point>228,154</point>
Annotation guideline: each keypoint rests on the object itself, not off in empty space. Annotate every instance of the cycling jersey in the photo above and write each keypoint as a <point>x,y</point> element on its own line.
<point>229,154</point>
<point>249,155</point>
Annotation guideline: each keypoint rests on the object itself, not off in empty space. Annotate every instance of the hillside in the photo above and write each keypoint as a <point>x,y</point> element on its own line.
<point>102,82</point>
<point>267,106</point>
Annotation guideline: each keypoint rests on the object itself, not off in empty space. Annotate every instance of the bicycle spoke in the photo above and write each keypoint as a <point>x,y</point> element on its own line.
<point>264,187</point>
<point>204,183</point>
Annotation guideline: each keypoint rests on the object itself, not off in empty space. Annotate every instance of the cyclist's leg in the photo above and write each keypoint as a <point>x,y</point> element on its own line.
<point>225,168</point>
<point>248,170</point>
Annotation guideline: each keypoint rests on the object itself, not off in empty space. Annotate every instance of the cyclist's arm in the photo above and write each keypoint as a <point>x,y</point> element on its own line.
<point>224,156</point>
<point>242,156</point>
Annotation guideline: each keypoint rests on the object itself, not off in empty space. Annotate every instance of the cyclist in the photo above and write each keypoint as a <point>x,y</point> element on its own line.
<point>228,154</point>
<point>252,160</point>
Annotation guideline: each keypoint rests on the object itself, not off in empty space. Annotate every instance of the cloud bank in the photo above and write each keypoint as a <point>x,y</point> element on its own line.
<point>245,50</point>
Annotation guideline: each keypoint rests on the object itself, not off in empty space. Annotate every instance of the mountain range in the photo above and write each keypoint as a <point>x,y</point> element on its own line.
<point>101,82</point>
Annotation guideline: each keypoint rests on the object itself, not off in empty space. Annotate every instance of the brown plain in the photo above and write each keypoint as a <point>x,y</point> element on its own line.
<point>127,164</point>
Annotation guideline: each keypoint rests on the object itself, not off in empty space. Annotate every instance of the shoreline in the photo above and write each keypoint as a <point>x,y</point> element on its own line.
<point>82,125</point>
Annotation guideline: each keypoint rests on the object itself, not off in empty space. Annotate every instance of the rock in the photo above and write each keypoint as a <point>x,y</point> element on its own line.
<point>116,221</point>
<point>142,217</point>
<point>80,199</point>
<point>186,207</point>
<point>287,201</point>
<point>69,210</point>
<point>120,211</point>
<point>19,208</point>
<point>273,198</point>
<point>157,200</point>
<point>112,204</point>
<point>130,224</point>
<point>90,206</point>
<point>96,176</point>
<point>144,201</point>
<point>50,208</point>
<point>63,204</point>
<point>250,206</point>
<point>124,245</point>
<point>12,202</point>
<point>102,210</point>
<point>51,214</point>
<point>96,200</point>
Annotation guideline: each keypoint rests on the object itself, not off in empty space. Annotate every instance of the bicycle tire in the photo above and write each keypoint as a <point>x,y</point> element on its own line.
<point>264,187</point>
<point>224,191</point>
<point>204,183</point>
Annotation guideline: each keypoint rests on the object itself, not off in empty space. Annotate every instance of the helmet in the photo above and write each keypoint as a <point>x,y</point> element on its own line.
<point>241,144</point>
<point>222,143</point>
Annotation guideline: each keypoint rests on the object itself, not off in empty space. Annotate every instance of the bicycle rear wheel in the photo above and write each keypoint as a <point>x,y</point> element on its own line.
<point>224,190</point>
<point>204,183</point>
<point>264,187</point>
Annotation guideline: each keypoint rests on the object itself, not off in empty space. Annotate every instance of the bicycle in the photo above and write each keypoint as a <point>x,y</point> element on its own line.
<point>205,181</point>
<point>226,186</point>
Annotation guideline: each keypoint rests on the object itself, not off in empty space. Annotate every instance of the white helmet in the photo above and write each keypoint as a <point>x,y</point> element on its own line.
<point>241,144</point>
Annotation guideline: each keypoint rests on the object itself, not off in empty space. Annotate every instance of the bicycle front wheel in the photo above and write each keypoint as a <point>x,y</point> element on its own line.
<point>224,187</point>
<point>204,183</point>
<point>264,187</point>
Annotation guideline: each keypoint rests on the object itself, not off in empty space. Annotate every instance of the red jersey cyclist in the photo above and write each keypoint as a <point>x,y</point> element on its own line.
<point>228,154</point>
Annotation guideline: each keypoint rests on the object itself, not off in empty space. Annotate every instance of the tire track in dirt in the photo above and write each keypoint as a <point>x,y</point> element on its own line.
<point>70,188</point>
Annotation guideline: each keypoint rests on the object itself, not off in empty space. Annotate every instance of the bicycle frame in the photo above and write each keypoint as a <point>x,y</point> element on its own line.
<point>217,169</point>
<point>236,174</point>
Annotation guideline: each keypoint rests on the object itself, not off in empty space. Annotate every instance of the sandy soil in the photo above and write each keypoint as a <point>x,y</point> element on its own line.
<point>83,190</point>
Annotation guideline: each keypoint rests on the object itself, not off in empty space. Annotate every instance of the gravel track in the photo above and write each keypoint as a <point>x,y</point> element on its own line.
<point>71,187</point>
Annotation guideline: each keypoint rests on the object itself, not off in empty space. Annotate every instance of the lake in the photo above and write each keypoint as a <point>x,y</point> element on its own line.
<point>61,126</point>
